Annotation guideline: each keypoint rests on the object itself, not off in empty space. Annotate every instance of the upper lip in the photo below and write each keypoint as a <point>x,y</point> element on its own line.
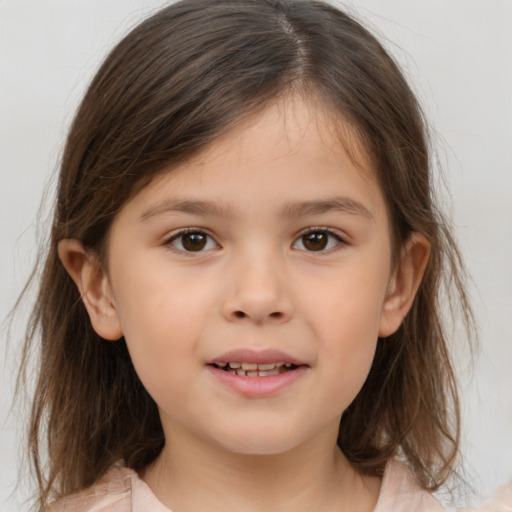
<point>250,355</point>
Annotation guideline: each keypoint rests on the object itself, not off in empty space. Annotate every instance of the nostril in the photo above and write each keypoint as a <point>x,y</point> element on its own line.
<point>275,315</point>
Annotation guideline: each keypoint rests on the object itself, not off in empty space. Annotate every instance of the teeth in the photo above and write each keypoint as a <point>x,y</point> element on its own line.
<point>246,369</point>
<point>268,366</point>
<point>254,369</point>
<point>253,366</point>
<point>268,373</point>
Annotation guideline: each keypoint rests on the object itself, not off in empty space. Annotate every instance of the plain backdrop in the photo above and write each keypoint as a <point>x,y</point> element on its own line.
<point>458,56</point>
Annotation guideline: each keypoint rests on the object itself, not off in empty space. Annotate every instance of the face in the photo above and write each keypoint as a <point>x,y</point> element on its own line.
<point>252,283</point>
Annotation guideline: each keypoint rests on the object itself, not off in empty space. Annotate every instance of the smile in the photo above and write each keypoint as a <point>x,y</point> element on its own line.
<point>246,369</point>
<point>257,373</point>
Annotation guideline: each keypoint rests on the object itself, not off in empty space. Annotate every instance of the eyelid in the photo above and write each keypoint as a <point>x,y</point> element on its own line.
<point>176,234</point>
<point>335,233</point>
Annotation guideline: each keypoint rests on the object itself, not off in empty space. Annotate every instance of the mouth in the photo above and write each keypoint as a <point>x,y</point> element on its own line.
<point>248,369</point>
<point>257,373</point>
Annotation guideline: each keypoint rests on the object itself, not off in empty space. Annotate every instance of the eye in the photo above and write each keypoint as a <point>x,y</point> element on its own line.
<point>317,239</point>
<point>192,240</point>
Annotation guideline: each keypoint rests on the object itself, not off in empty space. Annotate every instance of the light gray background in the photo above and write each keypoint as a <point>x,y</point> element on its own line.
<point>458,55</point>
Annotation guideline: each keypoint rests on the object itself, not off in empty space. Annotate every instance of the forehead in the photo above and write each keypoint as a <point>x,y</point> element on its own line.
<point>294,122</point>
<point>291,151</point>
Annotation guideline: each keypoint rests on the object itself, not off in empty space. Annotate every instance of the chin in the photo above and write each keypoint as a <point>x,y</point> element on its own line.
<point>268,443</point>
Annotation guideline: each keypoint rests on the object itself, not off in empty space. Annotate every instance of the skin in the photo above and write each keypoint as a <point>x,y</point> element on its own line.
<point>255,284</point>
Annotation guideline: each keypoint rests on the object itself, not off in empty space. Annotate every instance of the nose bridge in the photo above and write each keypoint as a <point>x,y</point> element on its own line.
<point>257,289</point>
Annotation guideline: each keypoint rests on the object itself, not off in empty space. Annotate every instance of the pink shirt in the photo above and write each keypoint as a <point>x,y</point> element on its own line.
<point>121,490</point>
<point>500,502</point>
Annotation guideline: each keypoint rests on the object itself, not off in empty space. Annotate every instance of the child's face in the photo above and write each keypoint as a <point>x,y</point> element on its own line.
<point>270,247</point>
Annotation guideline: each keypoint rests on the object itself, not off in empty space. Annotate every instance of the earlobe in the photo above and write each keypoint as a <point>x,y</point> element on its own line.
<point>404,283</point>
<point>94,287</point>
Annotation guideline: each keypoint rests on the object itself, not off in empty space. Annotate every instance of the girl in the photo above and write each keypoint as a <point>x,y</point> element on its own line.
<point>241,302</point>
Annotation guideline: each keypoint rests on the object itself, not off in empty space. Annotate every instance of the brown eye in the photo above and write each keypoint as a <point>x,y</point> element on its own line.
<point>317,240</point>
<point>192,241</point>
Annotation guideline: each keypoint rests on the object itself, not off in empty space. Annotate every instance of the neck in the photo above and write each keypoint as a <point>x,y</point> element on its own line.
<point>313,476</point>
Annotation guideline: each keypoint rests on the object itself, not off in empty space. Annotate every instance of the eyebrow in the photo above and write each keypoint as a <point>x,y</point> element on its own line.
<point>317,207</point>
<point>208,208</point>
<point>290,210</point>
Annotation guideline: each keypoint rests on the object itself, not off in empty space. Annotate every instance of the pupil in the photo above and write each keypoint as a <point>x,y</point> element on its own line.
<point>194,241</point>
<point>315,241</point>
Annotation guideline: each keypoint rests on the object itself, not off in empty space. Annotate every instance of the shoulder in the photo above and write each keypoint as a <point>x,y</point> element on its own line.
<point>400,492</point>
<point>111,493</point>
<point>500,502</point>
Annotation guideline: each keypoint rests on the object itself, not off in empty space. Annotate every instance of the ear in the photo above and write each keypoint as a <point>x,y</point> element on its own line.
<point>94,287</point>
<point>404,283</point>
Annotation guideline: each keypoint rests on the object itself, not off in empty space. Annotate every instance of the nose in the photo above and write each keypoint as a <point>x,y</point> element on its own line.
<point>258,293</point>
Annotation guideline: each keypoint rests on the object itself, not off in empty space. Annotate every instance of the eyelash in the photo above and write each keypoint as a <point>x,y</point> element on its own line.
<point>208,239</point>
<point>190,231</point>
<point>331,235</point>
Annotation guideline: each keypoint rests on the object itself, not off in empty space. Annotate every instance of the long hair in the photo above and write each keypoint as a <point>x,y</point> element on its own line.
<point>172,86</point>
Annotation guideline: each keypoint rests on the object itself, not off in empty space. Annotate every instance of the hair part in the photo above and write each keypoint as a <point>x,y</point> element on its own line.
<point>171,87</point>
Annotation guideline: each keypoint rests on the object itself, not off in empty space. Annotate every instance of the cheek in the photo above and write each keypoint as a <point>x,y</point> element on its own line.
<point>349,348</point>
<point>346,311</point>
<point>161,315</point>
<point>348,302</point>
<point>151,295</point>
<point>347,359</point>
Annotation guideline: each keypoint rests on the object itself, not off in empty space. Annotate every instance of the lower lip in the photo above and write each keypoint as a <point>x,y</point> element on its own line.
<point>257,387</point>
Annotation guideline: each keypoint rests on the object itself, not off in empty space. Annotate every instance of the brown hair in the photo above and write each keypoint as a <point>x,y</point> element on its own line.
<point>169,88</point>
